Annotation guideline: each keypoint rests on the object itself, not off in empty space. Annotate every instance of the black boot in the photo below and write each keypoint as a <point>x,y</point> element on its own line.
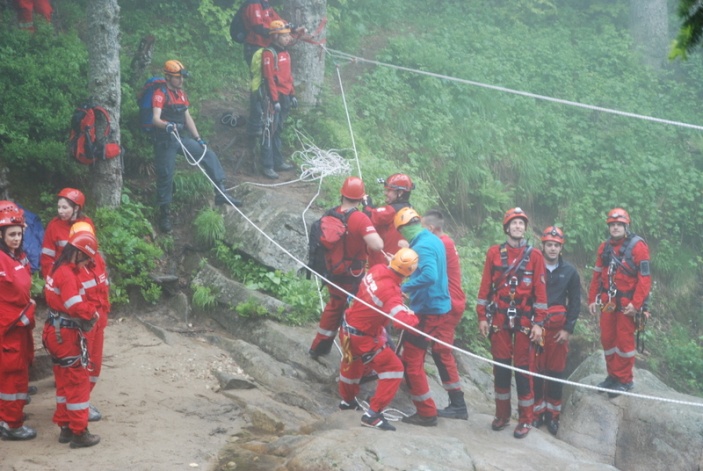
<point>165,223</point>
<point>222,197</point>
<point>456,408</point>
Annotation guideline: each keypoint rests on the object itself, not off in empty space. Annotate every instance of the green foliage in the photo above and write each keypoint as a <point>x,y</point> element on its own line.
<point>209,227</point>
<point>682,358</point>
<point>125,238</point>
<point>203,296</point>
<point>251,309</point>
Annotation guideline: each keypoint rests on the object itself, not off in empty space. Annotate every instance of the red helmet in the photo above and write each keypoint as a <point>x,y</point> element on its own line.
<point>553,234</point>
<point>353,188</point>
<point>399,181</point>
<point>618,215</point>
<point>10,214</point>
<point>85,242</point>
<point>514,213</point>
<point>73,195</point>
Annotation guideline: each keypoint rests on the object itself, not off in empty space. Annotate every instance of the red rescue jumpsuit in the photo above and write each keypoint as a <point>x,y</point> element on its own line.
<point>363,329</point>
<point>67,346</point>
<point>616,329</point>
<point>55,239</point>
<point>16,344</point>
<point>96,286</point>
<point>382,220</point>
<point>26,9</point>
<point>513,345</point>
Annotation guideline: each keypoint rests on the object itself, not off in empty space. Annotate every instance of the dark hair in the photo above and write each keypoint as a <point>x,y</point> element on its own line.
<point>77,210</point>
<point>5,248</point>
<point>65,257</point>
<point>434,217</point>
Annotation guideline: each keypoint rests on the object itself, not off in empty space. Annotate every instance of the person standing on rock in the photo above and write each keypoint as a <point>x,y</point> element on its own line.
<point>396,190</point>
<point>71,317</point>
<point>428,293</point>
<point>564,301</point>
<point>511,307</point>
<point>16,325</point>
<point>619,290</point>
<point>170,118</point>
<point>359,236</point>
<point>363,337</point>
<point>442,355</point>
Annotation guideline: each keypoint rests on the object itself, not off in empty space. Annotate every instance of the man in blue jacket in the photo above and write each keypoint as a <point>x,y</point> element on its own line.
<point>428,291</point>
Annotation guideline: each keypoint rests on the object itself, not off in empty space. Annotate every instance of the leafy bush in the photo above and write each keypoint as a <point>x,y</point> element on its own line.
<point>209,227</point>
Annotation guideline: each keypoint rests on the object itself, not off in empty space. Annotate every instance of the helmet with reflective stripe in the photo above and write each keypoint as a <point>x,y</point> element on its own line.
<point>175,68</point>
<point>399,181</point>
<point>353,188</point>
<point>618,215</point>
<point>404,262</point>
<point>81,226</point>
<point>85,242</point>
<point>73,195</point>
<point>553,234</point>
<point>405,216</point>
<point>10,214</point>
<point>514,213</point>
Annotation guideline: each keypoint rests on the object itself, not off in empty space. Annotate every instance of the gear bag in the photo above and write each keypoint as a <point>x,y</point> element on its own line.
<point>327,247</point>
<point>84,143</point>
<point>237,31</point>
<point>146,111</point>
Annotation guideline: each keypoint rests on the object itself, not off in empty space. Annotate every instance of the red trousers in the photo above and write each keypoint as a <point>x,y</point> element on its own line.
<point>442,355</point>
<point>96,341</point>
<point>331,318</point>
<point>617,335</point>
<point>15,356</point>
<point>72,381</point>
<point>386,364</point>
<point>26,9</point>
<point>413,357</point>
<point>550,362</point>
<point>512,347</point>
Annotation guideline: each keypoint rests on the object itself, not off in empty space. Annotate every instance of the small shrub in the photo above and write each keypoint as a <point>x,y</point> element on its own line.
<point>209,227</point>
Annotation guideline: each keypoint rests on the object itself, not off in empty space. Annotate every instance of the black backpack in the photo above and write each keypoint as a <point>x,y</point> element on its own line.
<point>237,31</point>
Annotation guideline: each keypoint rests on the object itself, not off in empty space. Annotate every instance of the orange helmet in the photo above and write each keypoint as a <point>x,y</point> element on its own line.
<point>404,262</point>
<point>85,242</point>
<point>399,181</point>
<point>81,226</point>
<point>175,68</point>
<point>353,188</point>
<point>514,213</point>
<point>10,214</point>
<point>73,195</point>
<point>405,216</point>
<point>618,215</point>
<point>278,27</point>
<point>553,234</point>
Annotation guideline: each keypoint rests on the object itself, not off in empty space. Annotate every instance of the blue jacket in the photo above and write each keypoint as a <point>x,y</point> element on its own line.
<point>428,287</point>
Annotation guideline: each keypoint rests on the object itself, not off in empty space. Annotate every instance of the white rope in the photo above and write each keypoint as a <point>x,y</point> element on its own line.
<point>352,58</point>
<point>351,132</point>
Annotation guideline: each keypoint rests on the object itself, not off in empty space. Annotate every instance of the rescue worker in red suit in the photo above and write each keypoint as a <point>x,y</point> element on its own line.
<point>71,317</point>
<point>396,190</point>
<point>16,325</point>
<point>442,355</point>
<point>278,80</point>
<point>96,286</point>
<point>363,337</point>
<point>511,307</point>
<point>360,236</point>
<point>564,302</point>
<point>428,296</point>
<point>70,210</point>
<point>26,10</point>
<point>619,289</point>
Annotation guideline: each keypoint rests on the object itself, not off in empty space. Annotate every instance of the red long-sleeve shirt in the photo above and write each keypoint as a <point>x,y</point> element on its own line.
<point>55,239</point>
<point>257,18</point>
<point>15,284</point>
<point>456,292</point>
<point>277,73</point>
<point>64,292</point>
<point>382,220</point>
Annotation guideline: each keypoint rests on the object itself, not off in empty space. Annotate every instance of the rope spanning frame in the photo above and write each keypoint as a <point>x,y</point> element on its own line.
<point>352,58</point>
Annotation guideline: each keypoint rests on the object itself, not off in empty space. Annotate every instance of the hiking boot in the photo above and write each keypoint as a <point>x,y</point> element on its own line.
<point>522,430</point>
<point>84,440</point>
<point>284,167</point>
<point>352,405</point>
<point>499,424</point>
<point>19,433</point>
<point>376,421</point>
<point>539,421</point>
<point>553,426</point>
<point>607,383</point>
<point>165,223</point>
<point>65,435</point>
<point>619,388</point>
<point>417,419</point>
<point>226,198</point>
<point>456,408</point>
<point>94,414</point>
<point>269,173</point>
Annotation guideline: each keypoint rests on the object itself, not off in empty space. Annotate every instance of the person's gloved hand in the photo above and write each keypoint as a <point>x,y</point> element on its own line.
<point>293,102</point>
<point>201,141</point>
<point>171,127</point>
<point>277,107</point>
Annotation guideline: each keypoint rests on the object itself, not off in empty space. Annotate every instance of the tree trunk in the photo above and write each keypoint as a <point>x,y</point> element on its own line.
<point>308,59</point>
<point>104,88</point>
<point>649,23</point>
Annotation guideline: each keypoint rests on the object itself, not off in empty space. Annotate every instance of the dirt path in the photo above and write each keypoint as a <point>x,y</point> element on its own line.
<point>160,409</point>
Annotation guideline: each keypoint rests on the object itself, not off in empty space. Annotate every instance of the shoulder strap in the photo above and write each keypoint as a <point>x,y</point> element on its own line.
<point>106,115</point>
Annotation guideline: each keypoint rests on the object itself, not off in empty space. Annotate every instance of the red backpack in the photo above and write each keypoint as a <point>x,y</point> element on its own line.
<point>327,246</point>
<point>84,144</point>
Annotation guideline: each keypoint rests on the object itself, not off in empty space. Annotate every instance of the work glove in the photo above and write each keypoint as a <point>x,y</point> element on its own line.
<point>171,127</point>
<point>201,141</point>
<point>277,107</point>
<point>293,102</point>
